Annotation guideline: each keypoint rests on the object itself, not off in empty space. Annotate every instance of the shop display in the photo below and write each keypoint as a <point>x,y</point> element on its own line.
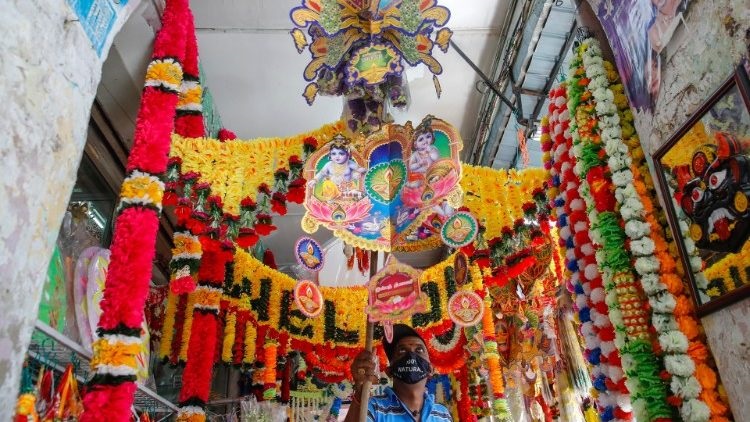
<point>557,294</point>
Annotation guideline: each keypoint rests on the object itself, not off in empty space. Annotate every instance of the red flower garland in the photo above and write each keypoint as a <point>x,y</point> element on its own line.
<point>110,394</point>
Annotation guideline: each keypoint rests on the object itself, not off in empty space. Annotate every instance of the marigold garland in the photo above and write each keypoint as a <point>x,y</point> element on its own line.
<point>492,358</point>
<point>165,346</point>
<point>235,170</point>
<point>496,196</point>
<point>110,394</point>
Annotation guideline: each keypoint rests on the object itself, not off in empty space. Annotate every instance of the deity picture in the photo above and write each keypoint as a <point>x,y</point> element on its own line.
<point>386,191</point>
<point>340,177</point>
<point>705,171</point>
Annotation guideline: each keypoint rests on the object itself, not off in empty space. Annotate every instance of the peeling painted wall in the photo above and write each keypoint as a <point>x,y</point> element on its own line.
<point>49,73</point>
<point>702,54</point>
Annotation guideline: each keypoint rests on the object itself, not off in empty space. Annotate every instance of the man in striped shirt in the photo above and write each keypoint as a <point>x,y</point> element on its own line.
<point>410,368</point>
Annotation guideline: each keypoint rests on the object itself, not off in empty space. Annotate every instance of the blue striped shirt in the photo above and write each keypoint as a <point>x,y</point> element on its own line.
<point>389,408</point>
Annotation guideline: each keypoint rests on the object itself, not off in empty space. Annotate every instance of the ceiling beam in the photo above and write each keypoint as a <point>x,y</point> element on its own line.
<point>551,79</point>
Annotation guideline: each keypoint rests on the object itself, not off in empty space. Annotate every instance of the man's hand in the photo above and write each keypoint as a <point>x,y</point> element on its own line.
<point>364,367</point>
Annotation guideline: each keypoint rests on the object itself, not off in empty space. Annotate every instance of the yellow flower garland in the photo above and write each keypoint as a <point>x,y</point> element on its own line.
<point>187,327</point>
<point>165,346</point>
<point>236,168</point>
<point>349,302</point>
<point>229,333</point>
<point>495,197</point>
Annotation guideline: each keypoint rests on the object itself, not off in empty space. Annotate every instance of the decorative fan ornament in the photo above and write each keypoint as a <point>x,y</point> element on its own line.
<point>363,43</point>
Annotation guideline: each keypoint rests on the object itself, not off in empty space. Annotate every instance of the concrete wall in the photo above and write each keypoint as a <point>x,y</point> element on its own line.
<point>701,55</point>
<point>49,73</point>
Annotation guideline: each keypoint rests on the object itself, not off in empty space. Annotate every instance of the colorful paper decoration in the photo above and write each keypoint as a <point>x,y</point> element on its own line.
<point>357,43</point>
<point>459,230</point>
<point>308,298</point>
<point>388,191</point>
<point>394,293</point>
<point>465,308</point>
<point>309,254</point>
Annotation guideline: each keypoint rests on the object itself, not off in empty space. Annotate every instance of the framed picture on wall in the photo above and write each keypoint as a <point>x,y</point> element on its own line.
<point>704,176</point>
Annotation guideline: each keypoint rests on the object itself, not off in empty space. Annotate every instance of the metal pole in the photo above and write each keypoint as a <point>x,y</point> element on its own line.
<point>481,74</point>
<point>365,397</point>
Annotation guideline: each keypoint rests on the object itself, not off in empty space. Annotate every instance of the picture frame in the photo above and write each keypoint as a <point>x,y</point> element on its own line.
<point>703,172</point>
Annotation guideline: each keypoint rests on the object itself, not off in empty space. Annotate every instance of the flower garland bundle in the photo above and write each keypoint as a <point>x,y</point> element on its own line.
<point>463,399</point>
<point>235,170</point>
<point>695,391</point>
<point>492,358</point>
<point>673,341</point>
<point>584,280</point>
<point>165,345</point>
<point>196,378</point>
<point>111,389</point>
<point>597,124</point>
<point>496,197</point>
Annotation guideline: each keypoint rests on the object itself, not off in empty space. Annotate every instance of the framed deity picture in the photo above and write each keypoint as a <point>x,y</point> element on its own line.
<point>704,176</point>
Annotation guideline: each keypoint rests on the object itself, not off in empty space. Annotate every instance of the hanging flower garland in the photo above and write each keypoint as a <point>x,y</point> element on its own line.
<point>695,391</point>
<point>496,197</point>
<point>111,390</point>
<point>196,378</point>
<point>492,359</point>
<point>597,126</point>
<point>584,279</point>
<point>672,340</point>
<point>235,170</point>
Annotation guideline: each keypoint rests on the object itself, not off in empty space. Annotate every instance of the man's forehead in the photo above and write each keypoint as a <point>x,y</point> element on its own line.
<point>411,340</point>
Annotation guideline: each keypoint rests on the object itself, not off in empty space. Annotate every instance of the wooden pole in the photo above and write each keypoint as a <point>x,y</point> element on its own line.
<point>365,397</point>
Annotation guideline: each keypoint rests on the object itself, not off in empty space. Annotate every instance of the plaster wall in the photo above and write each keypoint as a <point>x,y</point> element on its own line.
<point>49,73</point>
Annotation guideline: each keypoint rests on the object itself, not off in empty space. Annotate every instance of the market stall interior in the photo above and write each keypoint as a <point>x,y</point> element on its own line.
<point>296,177</point>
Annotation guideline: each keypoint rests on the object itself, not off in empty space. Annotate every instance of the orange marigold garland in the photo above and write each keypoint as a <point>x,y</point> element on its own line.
<point>492,358</point>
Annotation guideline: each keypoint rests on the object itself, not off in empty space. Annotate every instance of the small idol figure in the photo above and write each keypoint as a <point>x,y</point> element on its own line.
<point>423,154</point>
<point>341,174</point>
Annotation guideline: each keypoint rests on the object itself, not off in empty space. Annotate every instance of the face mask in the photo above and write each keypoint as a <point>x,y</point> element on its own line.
<point>411,368</point>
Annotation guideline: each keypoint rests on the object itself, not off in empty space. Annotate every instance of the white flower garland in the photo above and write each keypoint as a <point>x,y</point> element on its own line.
<point>673,342</point>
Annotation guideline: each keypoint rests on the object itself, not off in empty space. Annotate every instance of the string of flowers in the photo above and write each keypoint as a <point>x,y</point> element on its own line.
<point>597,124</point>
<point>112,387</point>
<point>584,279</point>
<point>492,358</point>
<point>196,378</point>
<point>236,169</point>
<point>496,196</point>
<point>674,318</point>
<point>636,209</point>
<point>165,345</point>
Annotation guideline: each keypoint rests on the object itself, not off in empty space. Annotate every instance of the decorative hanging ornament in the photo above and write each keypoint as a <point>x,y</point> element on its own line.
<point>465,308</point>
<point>459,230</point>
<point>308,298</point>
<point>460,268</point>
<point>386,192</point>
<point>309,253</point>
<point>394,293</point>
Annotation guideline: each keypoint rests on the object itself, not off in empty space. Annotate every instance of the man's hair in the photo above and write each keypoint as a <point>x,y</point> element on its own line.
<point>400,331</point>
